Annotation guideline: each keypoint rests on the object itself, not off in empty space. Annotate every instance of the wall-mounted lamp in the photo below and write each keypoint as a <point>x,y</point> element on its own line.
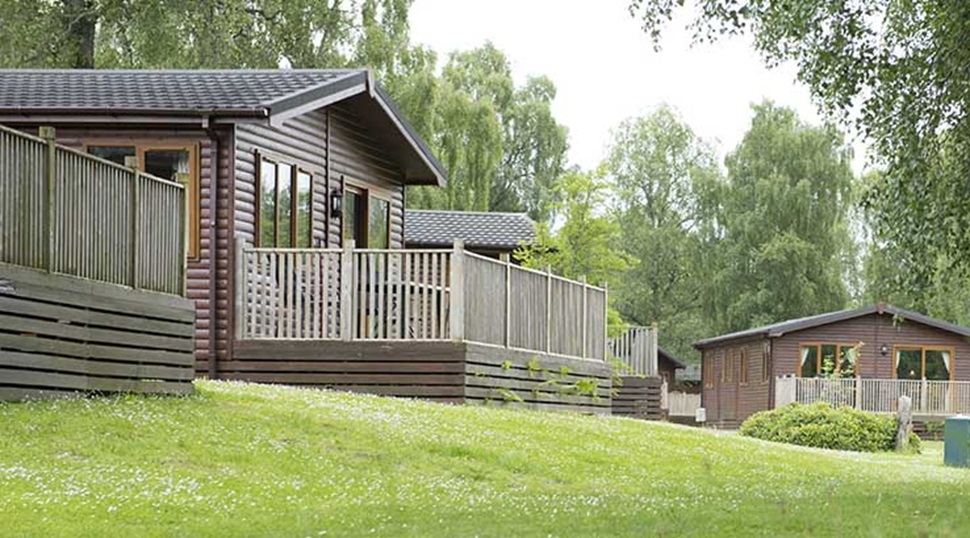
<point>884,349</point>
<point>336,203</point>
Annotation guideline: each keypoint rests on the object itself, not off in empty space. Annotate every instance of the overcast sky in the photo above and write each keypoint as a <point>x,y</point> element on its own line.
<point>605,68</point>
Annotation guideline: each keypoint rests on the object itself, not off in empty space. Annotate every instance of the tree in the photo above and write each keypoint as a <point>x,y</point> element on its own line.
<point>202,34</point>
<point>501,145</point>
<point>785,249</point>
<point>897,68</point>
<point>583,245</point>
<point>658,168</point>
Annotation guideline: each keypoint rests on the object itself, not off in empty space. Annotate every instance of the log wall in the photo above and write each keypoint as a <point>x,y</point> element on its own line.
<point>638,397</point>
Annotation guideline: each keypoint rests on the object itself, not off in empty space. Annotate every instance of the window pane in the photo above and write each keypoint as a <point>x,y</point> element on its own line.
<point>809,361</point>
<point>847,361</point>
<point>304,202</point>
<point>171,164</point>
<point>828,359</point>
<point>115,154</point>
<point>284,179</point>
<point>267,208</point>
<point>353,222</point>
<point>909,364</point>
<point>937,365</point>
<point>377,228</point>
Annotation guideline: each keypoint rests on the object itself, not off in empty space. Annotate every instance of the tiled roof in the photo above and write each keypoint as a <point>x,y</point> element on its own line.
<point>779,329</point>
<point>504,231</point>
<point>27,90</point>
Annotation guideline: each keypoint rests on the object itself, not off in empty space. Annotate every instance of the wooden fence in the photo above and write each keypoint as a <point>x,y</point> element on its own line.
<point>682,404</point>
<point>67,212</point>
<point>636,348</point>
<point>364,294</point>
<point>936,398</point>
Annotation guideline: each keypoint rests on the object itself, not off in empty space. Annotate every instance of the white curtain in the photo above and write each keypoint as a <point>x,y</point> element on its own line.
<point>946,360</point>
<point>805,351</point>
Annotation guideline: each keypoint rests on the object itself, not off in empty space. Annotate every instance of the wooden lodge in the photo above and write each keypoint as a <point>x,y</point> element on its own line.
<point>865,358</point>
<point>295,187</point>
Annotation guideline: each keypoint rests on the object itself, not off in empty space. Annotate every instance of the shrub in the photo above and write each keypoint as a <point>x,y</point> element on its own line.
<point>822,426</point>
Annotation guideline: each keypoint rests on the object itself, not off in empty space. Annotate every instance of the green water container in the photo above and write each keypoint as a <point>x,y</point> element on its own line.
<point>956,441</point>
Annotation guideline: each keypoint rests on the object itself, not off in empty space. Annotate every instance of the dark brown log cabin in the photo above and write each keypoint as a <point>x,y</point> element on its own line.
<point>329,136</point>
<point>739,371</point>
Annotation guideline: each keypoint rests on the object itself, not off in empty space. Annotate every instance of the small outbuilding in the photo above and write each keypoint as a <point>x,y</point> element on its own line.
<point>487,233</point>
<point>865,357</point>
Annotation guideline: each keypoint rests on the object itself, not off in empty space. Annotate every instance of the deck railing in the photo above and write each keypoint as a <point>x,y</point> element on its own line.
<point>636,348</point>
<point>366,294</point>
<point>68,212</point>
<point>938,398</point>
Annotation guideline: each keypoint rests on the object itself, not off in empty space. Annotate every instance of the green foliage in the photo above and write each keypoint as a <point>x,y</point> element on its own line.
<point>820,425</point>
<point>785,248</point>
<point>659,170</point>
<point>891,67</point>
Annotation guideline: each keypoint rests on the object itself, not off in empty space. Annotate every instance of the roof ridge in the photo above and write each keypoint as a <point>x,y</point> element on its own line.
<point>463,212</point>
<point>183,70</point>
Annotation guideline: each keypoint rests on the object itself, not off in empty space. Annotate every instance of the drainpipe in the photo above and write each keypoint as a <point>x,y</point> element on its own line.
<point>213,254</point>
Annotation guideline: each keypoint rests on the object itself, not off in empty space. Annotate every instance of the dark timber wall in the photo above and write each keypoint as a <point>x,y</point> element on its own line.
<point>438,371</point>
<point>60,335</point>
<point>638,397</point>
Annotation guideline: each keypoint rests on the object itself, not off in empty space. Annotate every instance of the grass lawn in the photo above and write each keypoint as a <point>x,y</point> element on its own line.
<point>246,460</point>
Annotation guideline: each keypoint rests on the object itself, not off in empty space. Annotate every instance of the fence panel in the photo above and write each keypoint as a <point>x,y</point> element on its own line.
<point>566,317</point>
<point>485,299</point>
<point>68,212</point>
<point>528,295</point>
<point>636,348</point>
<point>938,398</point>
<point>596,323</point>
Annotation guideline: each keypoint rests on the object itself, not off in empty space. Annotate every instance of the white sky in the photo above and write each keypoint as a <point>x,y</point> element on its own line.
<point>605,68</point>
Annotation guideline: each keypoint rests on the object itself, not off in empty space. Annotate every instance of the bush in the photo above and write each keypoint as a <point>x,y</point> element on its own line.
<point>820,425</point>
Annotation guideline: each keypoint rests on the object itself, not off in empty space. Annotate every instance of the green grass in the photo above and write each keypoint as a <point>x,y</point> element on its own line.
<point>244,460</point>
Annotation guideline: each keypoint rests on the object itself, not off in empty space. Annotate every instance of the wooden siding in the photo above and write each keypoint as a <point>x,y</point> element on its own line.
<point>729,401</point>
<point>873,331</point>
<point>438,371</point>
<point>62,334</point>
<point>525,379</point>
<point>334,146</point>
<point>638,397</point>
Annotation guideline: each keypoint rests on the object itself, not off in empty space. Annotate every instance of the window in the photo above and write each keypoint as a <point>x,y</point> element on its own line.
<point>708,370</point>
<point>285,205</point>
<point>172,160</point>
<point>765,362</point>
<point>743,376</point>
<point>922,362</point>
<point>727,372</point>
<point>366,218</point>
<point>828,360</point>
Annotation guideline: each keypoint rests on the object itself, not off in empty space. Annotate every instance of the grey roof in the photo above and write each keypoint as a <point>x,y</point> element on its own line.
<point>664,354</point>
<point>255,92</point>
<point>232,93</point>
<point>503,231</point>
<point>779,329</point>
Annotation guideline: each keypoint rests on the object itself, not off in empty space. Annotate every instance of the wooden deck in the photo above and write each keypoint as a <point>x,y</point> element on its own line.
<point>61,334</point>
<point>442,371</point>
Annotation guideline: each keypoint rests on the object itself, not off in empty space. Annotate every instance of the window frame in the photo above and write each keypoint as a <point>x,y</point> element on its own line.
<point>707,363</point>
<point>818,358</point>
<point>922,349</point>
<point>296,168</point>
<point>766,362</point>
<point>743,375</point>
<point>366,192</point>
<point>193,188</point>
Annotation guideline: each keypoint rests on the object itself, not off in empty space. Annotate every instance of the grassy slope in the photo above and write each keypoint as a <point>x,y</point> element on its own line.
<point>267,461</point>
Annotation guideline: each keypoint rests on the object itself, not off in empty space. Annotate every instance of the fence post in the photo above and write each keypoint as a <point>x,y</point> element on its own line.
<point>548,308</point>
<point>654,336</point>
<point>922,395</point>
<point>346,291</point>
<point>240,276</point>
<point>606,321</point>
<point>508,302</point>
<point>133,229</point>
<point>582,279</point>
<point>858,392</point>
<point>50,135</point>
<point>457,322</point>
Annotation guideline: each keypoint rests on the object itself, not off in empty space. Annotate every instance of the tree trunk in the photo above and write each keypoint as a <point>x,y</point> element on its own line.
<point>904,423</point>
<point>80,21</point>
